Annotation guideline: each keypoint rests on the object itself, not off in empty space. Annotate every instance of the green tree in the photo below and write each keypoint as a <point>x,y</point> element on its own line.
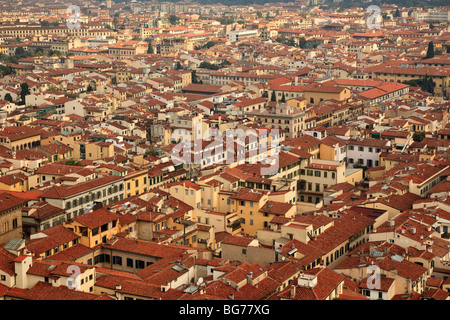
<point>302,42</point>
<point>430,85</point>
<point>418,136</point>
<point>397,13</point>
<point>283,98</point>
<point>150,48</point>
<point>259,14</point>
<point>73,162</point>
<point>208,65</point>
<point>25,90</point>
<point>209,44</point>
<point>291,42</point>
<point>273,97</point>
<point>236,224</point>
<point>5,70</point>
<point>153,151</point>
<point>115,22</point>
<point>426,83</point>
<point>89,88</point>
<point>195,77</point>
<point>178,66</point>
<point>174,20</point>
<point>8,97</point>
<point>53,88</point>
<point>38,52</point>
<point>20,52</point>
<point>358,165</point>
<point>280,39</point>
<point>44,23</point>
<point>52,53</point>
<point>226,20</point>
<point>430,51</point>
<point>310,45</point>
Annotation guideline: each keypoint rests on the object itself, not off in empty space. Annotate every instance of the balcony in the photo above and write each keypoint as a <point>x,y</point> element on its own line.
<point>188,225</point>
<point>236,224</point>
<point>84,231</point>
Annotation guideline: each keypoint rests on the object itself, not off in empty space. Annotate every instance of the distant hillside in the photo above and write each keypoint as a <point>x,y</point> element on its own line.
<point>330,3</point>
<point>237,2</point>
<point>399,3</point>
<point>225,2</point>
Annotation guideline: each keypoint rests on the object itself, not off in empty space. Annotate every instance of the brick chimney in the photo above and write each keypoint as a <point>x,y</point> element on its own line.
<point>292,291</point>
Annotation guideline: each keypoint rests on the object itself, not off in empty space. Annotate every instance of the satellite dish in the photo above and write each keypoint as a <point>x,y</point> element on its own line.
<point>199,281</point>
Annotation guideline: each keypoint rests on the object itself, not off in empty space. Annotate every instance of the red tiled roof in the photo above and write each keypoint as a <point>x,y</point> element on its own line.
<point>58,169</point>
<point>444,186</point>
<point>237,241</point>
<point>46,291</point>
<point>18,133</point>
<point>327,282</point>
<point>64,191</point>
<point>45,210</point>
<point>384,284</point>
<point>97,218</point>
<point>148,248</point>
<point>55,237</point>
<point>72,253</point>
<point>8,201</point>
<point>405,268</point>
<point>401,202</point>
<point>248,194</point>
<point>6,262</point>
<point>309,253</point>
<point>344,186</point>
<point>435,294</point>
<point>277,208</point>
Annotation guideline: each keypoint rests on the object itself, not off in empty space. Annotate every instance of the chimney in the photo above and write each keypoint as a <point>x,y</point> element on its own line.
<point>413,230</point>
<point>292,291</point>
<point>118,287</point>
